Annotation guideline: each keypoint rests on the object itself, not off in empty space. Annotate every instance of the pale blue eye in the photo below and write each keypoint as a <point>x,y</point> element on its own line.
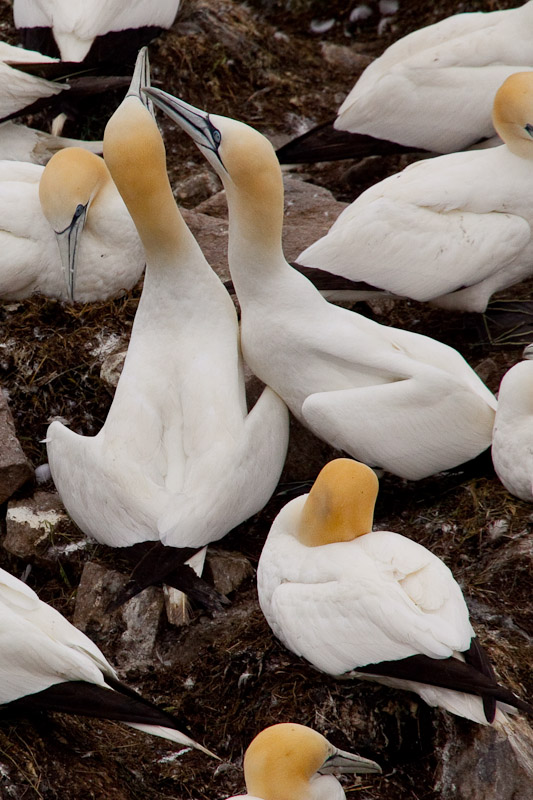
<point>529,129</point>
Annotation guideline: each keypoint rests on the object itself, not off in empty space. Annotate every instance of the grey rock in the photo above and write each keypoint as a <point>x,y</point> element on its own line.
<point>30,522</point>
<point>128,635</point>
<point>229,570</point>
<point>15,469</point>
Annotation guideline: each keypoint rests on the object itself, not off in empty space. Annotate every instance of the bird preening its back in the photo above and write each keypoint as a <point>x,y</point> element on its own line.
<point>407,97</point>
<point>392,398</point>
<point>46,664</point>
<point>450,230</point>
<point>373,604</point>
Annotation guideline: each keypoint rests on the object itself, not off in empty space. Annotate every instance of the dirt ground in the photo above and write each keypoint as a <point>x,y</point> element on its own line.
<point>228,676</point>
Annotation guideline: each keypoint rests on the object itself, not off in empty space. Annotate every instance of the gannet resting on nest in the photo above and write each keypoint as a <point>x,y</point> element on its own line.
<point>452,230</point>
<point>18,89</point>
<point>389,397</point>
<point>73,203</point>
<point>373,604</point>
<point>446,71</point>
<point>179,459</point>
<point>100,30</point>
<point>20,143</point>
<point>293,762</point>
<point>512,441</point>
<point>46,664</point>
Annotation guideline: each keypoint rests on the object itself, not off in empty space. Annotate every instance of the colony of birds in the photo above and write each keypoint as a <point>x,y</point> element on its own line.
<point>181,460</point>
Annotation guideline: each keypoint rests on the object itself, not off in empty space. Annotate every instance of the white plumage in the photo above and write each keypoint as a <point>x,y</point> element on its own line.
<point>75,24</point>
<point>40,649</point>
<point>179,458</point>
<point>19,89</point>
<point>512,442</point>
<point>72,201</point>
<point>452,230</point>
<point>434,87</point>
<point>344,596</point>
<point>20,143</point>
<point>288,761</point>
<point>389,397</point>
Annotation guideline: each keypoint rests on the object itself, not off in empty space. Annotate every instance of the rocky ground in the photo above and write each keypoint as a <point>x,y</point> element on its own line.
<point>227,675</point>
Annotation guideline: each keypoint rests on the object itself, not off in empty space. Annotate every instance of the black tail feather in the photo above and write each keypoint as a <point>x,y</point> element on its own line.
<point>326,143</point>
<point>450,673</point>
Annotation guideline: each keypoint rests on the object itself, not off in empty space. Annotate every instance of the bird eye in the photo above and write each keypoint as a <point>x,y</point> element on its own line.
<point>529,129</point>
<point>216,136</point>
<point>79,211</point>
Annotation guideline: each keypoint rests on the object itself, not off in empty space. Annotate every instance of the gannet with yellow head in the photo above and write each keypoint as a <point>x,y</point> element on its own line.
<point>288,761</point>
<point>46,664</point>
<point>179,459</point>
<point>73,203</point>
<point>512,441</point>
<point>389,397</point>
<point>373,604</point>
<point>450,230</point>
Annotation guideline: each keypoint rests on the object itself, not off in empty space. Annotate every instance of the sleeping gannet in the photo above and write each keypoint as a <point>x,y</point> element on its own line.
<point>95,30</point>
<point>389,397</point>
<point>179,459</point>
<point>373,604</point>
<point>452,230</point>
<point>65,231</point>
<point>432,89</point>
<point>512,440</point>
<point>46,664</point>
<point>288,761</point>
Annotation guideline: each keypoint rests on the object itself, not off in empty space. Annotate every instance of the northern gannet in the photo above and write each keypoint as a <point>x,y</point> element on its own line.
<point>46,664</point>
<point>65,231</point>
<point>451,230</point>
<point>21,143</point>
<point>373,604</point>
<point>389,397</point>
<point>512,441</point>
<point>75,27</point>
<point>179,459</point>
<point>432,89</point>
<point>19,89</point>
<point>288,761</point>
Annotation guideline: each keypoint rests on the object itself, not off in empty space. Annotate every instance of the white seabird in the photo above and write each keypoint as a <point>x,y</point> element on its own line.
<point>179,459</point>
<point>394,399</point>
<point>512,441</point>
<point>46,664</point>
<point>450,230</point>
<point>373,604</point>
<point>288,761</point>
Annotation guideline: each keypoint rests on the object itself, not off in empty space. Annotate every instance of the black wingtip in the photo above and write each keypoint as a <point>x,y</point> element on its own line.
<point>326,143</point>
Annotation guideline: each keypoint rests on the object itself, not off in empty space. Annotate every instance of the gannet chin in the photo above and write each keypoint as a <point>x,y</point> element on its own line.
<point>48,664</point>
<point>394,399</point>
<point>65,231</point>
<point>407,97</point>
<point>450,230</point>
<point>179,459</point>
<point>289,761</point>
<point>376,605</point>
<point>512,441</point>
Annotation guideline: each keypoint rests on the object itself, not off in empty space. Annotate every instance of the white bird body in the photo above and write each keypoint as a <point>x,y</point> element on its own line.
<point>512,441</point>
<point>389,397</point>
<point>284,762</point>
<point>179,458</point>
<point>452,230</point>
<point>76,24</point>
<point>40,649</point>
<point>20,143</point>
<point>19,89</point>
<point>449,70</point>
<point>348,600</point>
<point>109,256</point>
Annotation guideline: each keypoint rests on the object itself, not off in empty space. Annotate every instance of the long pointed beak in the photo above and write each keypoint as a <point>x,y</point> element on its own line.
<point>141,79</point>
<point>68,242</point>
<point>193,120</point>
<point>343,762</point>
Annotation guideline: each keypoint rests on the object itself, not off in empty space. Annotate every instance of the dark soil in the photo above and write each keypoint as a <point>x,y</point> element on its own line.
<point>258,61</point>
